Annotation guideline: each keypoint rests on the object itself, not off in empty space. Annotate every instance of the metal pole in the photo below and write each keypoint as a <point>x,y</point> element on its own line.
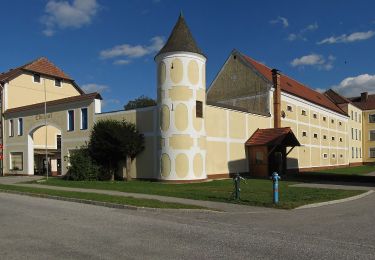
<point>45,123</point>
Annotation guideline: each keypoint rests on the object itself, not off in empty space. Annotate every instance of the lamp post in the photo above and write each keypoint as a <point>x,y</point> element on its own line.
<point>45,123</point>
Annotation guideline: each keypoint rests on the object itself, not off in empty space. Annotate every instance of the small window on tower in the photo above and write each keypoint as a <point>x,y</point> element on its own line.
<point>58,82</point>
<point>199,109</point>
<point>36,78</point>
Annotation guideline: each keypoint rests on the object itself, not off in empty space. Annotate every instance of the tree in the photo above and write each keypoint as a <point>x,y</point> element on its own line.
<point>140,102</point>
<point>81,166</point>
<point>112,141</point>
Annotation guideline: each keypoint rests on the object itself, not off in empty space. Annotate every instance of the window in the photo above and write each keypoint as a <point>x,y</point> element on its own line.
<point>258,157</point>
<point>303,112</point>
<point>325,156</point>
<point>20,126</point>
<point>332,121</point>
<point>304,134</point>
<point>356,134</point>
<point>352,116</point>
<point>333,138</point>
<point>372,135</point>
<point>71,120</point>
<point>356,152</point>
<point>355,116</point>
<point>315,116</point>
<point>58,82</point>
<point>58,142</point>
<point>315,135</point>
<point>334,156</point>
<point>359,118</point>
<point>352,152</point>
<point>359,135</point>
<point>289,108</point>
<point>84,118</point>
<point>11,128</point>
<point>16,161</point>
<point>36,78</point>
<point>352,134</point>
<point>340,139</point>
<point>199,109</point>
<point>341,155</point>
<point>324,137</point>
<point>340,123</point>
<point>372,152</point>
<point>371,118</point>
<point>324,118</point>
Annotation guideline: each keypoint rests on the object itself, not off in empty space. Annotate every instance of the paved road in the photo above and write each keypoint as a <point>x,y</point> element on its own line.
<point>36,228</point>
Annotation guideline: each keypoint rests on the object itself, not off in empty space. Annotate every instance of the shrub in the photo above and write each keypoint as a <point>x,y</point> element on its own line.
<point>82,166</point>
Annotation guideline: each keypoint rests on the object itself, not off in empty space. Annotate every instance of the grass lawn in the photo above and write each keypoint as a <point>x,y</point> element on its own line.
<point>149,203</point>
<point>358,170</point>
<point>255,192</point>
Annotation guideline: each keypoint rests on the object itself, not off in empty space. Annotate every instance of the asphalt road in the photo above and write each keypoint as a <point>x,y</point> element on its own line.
<point>36,228</point>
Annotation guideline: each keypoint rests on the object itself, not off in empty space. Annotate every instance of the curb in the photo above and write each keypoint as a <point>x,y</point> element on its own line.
<point>107,204</point>
<point>315,205</point>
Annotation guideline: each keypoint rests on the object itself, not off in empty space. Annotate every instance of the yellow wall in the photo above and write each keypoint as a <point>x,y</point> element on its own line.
<point>23,91</point>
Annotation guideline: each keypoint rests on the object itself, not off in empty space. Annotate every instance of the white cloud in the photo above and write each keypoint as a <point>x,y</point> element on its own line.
<point>346,38</point>
<point>121,62</point>
<point>280,20</point>
<point>64,14</point>
<point>310,27</point>
<point>352,86</point>
<point>129,52</point>
<point>93,87</point>
<point>106,102</point>
<point>300,35</point>
<point>314,60</point>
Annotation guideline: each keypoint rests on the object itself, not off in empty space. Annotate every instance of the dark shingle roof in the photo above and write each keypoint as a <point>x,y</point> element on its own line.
<point>273,136</point>
<point>180,39</point>
<point>368,104</point>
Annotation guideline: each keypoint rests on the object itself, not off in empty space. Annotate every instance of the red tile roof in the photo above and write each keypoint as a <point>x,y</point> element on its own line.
<point>41,66</point>
<point>295,88</point>
<point>369,104</point>
<point>272,136</point>
<point>82,97</point>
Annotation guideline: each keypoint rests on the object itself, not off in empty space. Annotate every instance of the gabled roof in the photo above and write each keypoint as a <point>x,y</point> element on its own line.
<point>41,66</point>
<point>181,39</point>
<point>272,137</point>
<point>336,97</point>
<point>368,104</point>
<point>293,87</point>
<point>67,100</point>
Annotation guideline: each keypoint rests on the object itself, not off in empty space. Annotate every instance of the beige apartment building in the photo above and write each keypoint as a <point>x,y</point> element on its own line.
<point>252,119</point>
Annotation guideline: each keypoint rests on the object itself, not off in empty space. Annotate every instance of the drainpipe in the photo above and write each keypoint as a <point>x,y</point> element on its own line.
<point>276,98</point>
<point>2,128</point>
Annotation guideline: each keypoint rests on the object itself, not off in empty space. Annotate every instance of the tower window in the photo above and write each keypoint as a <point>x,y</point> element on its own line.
<point>199,109</point>
<point>289,108</point>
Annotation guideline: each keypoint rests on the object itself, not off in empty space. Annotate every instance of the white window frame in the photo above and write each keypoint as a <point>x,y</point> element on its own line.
<point>40,78</point>
<point>67,120</point>
<point>369,152</point>
<point>61,82</point>
<point>19,133</point>
<point>10,161</point>
<point>81,121</point>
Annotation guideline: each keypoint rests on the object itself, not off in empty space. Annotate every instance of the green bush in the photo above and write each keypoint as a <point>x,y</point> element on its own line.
<point>82,167</point>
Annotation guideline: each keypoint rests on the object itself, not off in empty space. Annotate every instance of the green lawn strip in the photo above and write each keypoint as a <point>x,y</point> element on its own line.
<point>148,203</point>
<point>255,192</point>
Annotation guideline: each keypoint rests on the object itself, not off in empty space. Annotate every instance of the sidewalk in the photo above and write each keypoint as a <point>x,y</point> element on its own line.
<point>226,207</point>
<point>339,186</point>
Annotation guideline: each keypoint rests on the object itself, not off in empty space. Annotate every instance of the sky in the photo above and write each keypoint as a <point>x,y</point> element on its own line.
<point>109,46</point>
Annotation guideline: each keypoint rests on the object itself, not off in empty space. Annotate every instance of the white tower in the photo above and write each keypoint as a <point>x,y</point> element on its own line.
<point>181,102</point>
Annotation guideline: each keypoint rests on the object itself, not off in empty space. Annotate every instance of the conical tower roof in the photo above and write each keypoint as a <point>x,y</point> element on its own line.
<point>181,39</point>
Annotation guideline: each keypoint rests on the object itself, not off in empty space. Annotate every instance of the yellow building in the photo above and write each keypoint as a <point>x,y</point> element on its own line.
<point>252,119</point>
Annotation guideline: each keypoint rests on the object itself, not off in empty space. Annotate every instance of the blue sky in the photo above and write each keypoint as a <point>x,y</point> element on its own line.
<point>110,45</point>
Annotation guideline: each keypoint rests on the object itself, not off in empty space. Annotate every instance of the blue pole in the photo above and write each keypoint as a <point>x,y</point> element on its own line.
<point>275,180</point>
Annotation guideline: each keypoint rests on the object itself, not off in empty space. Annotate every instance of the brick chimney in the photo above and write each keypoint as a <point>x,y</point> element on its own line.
<point>364,96</point>
<point>276,98</point>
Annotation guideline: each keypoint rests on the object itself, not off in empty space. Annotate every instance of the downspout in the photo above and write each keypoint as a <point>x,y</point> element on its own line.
<point>276,98</point>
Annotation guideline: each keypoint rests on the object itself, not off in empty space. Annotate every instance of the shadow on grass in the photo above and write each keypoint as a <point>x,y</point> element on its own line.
<point>323,178</point>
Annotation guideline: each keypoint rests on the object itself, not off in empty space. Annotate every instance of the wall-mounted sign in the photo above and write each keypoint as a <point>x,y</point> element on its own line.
<point>42,117</point>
